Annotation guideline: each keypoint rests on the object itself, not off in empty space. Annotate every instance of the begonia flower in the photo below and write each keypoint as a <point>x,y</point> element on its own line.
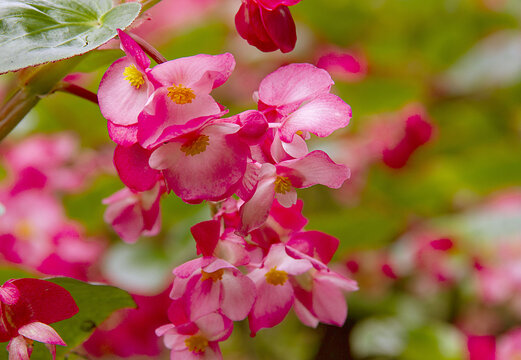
<point>182,101</point>
<point>126,85</point>
<point>205,164</point>
<point>274,290</point>
<point>213,285</point>
<point>267,24</point>
<point>296,101</point>
<point>198,339</point>
<point>133,214</point>
<point>27,319</point>
<point>280,180</point>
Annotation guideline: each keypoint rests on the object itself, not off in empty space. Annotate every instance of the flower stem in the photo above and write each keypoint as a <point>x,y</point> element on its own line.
<point>148,49</point>
<point>147,4</point>
<point>78,91</point>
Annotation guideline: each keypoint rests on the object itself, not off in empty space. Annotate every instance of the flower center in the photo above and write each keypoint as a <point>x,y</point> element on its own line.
<point>23,230</point>
<point>180,94</point>
<point>276,277</point>
<point>196,343</point>
<point>196,145</point>
<point>282,184</point>
<point>215,276</point>
<point>134,76</point>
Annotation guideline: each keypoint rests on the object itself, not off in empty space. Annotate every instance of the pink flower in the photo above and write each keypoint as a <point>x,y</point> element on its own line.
<point>126,85</point>
<point>206,164</point>
<point>417,132</point>
<point>509,345</point>
<point>182,101</point>
<point>26,318</point>
<point>343,65</point>
<point>133,214</point>
<point>131,162</point>
<point>213,285</point>
<point>274,290</point>
<point>296,101</point>
<point>319,293</point>
<point>198,339</point>
<point>267,24</point>
<point>280,180</point>
<point>482,348</point>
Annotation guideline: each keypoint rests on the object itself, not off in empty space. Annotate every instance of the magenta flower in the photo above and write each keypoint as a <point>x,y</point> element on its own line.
<point>182,101</point>
<point>27,311</point>
<point>267,24</point>
<point>274,290</point>
<point>198,339</point>
<point>213,285</point>
<point>126,85</point>
<point>133,214</point>
<point>131,162</point>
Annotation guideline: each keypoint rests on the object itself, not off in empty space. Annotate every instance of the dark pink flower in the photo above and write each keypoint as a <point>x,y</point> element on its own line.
<point>267,24</point>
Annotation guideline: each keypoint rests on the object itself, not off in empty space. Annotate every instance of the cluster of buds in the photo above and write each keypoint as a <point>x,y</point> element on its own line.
<point>257,259</point>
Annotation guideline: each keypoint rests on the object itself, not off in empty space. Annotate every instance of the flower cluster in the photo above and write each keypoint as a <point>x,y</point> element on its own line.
<point>35,232</point>
<point>257,259</point>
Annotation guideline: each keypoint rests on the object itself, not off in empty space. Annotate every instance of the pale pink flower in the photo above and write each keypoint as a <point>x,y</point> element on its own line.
<point>133,214</point>
<point>213,285</point>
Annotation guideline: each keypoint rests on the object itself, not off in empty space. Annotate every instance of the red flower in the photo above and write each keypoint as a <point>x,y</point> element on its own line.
<point>27,307</point>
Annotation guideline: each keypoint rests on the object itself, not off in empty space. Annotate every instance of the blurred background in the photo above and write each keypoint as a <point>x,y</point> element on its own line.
<point>429,223</point>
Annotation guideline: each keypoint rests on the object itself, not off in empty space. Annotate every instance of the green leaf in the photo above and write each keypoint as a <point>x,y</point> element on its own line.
<point>34,32</point>
<point>96,303</point>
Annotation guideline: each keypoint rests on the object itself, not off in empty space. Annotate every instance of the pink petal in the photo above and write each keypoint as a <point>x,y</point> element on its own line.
<point>215,327</point>
<point>133,51</point>
<point>161,115</point>
<point>9,294</point>
<point>204,71</point>
<point>238,296</point>
<point>315,168</point>
<point>206,235</point>
<point>280,27</point>
<point>304,315</point>
<point>250,27</point>
<point>122,135</point>
<point>254,126</point>
<point>321,116</point>
<point>289,218</point>
<point>133,169</point>
<point>119,101</point>
<point>41,332</point>
<point>17,349</point>
<point>294,83</point>
<point>210,175</point>
<point>329,303</point>
<point>202,296</point>
<point>277,257</point>
<point>272,304</point>
<point>255,211</point>
<point>315,244</point>
<point>272,4</point>
<point>287,199</point>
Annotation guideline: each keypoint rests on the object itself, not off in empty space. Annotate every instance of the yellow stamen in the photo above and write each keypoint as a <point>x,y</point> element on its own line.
<point>196,343</point>
<point>195,146</point>
<point>180,94</point>
<point>215,276</point>
<point>282,184</point>
<point>134,76</point>
<point>23,229</point>
<point>276,277</point>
